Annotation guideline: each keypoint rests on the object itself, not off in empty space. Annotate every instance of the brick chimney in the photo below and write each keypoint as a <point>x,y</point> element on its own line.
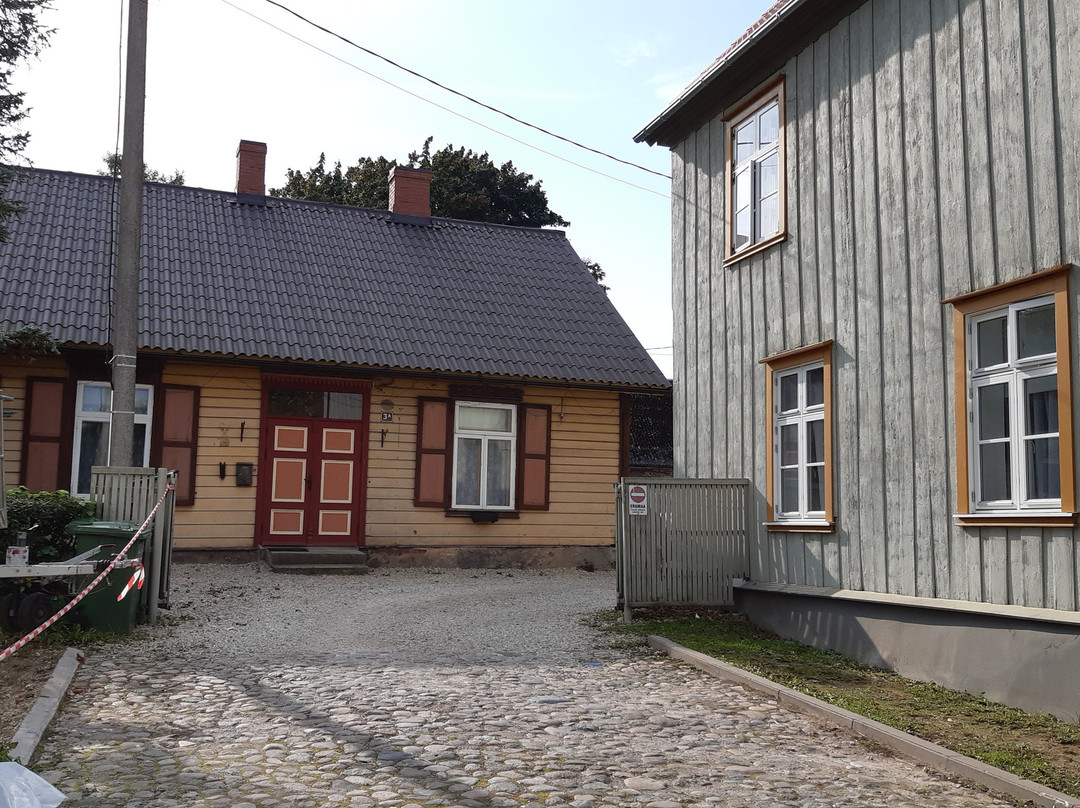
<point>410,191</point>
<point>251,168</point>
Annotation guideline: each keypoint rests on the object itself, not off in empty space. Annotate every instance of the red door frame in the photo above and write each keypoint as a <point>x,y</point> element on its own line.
<point>263,489</point>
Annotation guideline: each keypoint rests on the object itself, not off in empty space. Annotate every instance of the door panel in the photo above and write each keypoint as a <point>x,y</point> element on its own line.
<point>315,497</point>
<point>290,475</point>
<point>337,482</point>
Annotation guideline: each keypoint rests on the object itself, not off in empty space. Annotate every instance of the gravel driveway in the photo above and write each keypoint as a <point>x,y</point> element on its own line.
<point>415,688</point>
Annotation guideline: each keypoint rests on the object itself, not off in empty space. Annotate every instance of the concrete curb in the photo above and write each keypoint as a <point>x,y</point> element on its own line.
<point>30,731</point>
<point>924,752</point>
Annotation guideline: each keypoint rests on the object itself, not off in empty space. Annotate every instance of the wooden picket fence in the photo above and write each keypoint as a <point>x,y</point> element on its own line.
<point>129,494</point>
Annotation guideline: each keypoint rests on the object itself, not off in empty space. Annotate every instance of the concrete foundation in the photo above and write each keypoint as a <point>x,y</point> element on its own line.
<point>589,558</point>
<point>1023,661</point>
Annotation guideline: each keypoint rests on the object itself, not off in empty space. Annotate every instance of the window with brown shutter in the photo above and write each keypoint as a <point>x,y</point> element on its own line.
<point>534,456</point>
<point>432,487</point>
<point>46,455</point>
<point>435,455</point>
<point>176,437</point>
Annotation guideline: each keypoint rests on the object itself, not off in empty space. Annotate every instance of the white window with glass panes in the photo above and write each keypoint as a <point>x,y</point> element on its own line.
<point>93,408</point>
<point>755,194</point>
<point>799,444</point>
<point>484,456</point>
<point>1013,415</point>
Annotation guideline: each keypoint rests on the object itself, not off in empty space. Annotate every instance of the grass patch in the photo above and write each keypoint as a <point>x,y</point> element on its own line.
<point>1036,747</point>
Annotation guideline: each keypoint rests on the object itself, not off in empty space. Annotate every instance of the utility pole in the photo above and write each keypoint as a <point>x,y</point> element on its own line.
<point>125,287</point>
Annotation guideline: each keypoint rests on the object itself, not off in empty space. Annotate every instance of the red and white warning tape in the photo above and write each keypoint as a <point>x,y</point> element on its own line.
<point>140,574</point>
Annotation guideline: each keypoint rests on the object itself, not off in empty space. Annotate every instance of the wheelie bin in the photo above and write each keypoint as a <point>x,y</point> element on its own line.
<point>100,609</point>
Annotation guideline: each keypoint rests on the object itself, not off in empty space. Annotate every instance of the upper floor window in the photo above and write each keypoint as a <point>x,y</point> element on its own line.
<point>756,183</point>
<point>1014,410</point>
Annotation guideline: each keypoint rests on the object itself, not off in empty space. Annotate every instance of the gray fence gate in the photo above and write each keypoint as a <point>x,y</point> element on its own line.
<point>680,541</point>
<point>128,494</point>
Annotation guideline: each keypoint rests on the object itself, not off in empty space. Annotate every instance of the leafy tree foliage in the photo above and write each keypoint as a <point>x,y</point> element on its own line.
<point>597,273</point>
<point>28,343</point>
<point>22,37</point>
<point>464,185</point>
<point>112,169</point>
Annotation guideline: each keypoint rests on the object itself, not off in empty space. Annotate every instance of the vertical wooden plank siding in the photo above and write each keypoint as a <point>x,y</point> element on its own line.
<point>702,243</point>
<point>801,174</point>
<point>721,318</point>
<point>1043,137</point>
<point>980,198</point>
<point>842,556</point>
<point>1011,183</point>
<point>931,151</point>
<point>954,255</point>
<point>930,472</point>
<point>679,293</point>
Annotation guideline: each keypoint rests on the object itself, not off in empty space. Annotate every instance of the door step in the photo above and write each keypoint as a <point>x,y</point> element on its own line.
<point>316,560</point>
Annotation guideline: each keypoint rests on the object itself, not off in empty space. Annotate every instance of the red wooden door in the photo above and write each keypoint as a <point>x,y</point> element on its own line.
<point>315,494</point>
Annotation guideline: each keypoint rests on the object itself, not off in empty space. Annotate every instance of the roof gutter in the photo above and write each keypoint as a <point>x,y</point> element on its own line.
<point>766,24</point>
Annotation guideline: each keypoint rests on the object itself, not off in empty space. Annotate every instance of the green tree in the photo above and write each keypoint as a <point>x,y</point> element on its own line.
<point>113,160</point>
<point>464,185</point>
<point>27,342</point>
<point>597,273</point>
<point>22,37</point>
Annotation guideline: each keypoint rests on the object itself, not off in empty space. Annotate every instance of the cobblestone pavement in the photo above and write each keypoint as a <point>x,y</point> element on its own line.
<point>411,728</point>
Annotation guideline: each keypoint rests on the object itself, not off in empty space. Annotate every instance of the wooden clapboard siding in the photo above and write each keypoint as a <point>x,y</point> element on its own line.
<point>584,465</point>
<point>931,151</point>
<point>223,516</point>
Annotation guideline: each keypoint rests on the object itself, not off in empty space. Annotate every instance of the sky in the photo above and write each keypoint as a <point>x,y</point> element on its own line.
<point>219,71</point>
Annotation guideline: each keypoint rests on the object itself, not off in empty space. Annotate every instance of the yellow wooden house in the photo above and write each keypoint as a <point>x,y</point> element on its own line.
<point>432,390</point>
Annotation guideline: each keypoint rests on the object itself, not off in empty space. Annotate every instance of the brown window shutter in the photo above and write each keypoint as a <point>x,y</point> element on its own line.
<point>433,454</point>
<point>534,457</point>
<point>47,434</point>
<point>177,433</point>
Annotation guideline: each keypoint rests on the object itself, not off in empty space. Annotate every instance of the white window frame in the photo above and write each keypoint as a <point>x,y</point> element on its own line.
<point>749,170</point>
<point>799,417</point>
<point>485,437</point>
<point>1013,373</point>
<point>82,417</point>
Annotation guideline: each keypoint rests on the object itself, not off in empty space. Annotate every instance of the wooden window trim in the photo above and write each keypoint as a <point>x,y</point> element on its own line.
<point>774,88</point>
<point>820,352</point>
<point>1055,282</point>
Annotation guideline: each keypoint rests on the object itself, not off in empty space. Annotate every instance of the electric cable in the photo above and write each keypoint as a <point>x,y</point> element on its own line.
<point>451,111</point>
<point>461,94</point>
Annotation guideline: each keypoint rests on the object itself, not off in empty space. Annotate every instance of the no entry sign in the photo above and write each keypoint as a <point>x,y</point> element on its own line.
<point>639,500</point>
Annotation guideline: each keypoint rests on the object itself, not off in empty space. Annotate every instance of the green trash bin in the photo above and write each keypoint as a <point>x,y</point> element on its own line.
<point>100,609</point>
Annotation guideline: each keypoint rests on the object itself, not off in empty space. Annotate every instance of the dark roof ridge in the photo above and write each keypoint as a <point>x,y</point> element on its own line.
<point>380,212</point>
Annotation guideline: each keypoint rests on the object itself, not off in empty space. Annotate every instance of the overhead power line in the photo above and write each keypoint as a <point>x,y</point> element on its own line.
<point>460,94</point>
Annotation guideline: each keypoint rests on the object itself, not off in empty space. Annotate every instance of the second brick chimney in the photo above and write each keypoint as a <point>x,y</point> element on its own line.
<point>251,168</point>
<point>410,191</point>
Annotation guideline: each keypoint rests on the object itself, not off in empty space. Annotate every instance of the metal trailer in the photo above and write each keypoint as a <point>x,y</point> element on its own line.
<point>56,582</point>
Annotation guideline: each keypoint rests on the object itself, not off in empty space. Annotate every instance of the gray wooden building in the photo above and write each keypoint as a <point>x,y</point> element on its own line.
<point>876,227</point>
